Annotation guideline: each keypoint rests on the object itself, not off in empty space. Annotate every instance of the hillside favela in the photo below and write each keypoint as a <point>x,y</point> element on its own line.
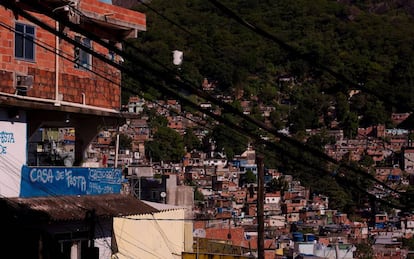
<point>149,129</point>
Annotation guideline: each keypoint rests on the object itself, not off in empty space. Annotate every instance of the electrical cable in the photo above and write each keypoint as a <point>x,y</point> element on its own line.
<point>71,60</point>
<point>216,118</point>
<point>304,56</point>
<point>183,29</point>
<point>190,33</point>
<point>42,45</point>
<point>188,85</point>
<point>166,18</point>
<point>169,91</point>
<point>65,55</point>
<point>133,241</point>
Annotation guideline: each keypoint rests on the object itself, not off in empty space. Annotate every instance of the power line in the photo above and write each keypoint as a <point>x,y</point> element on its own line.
<point>200,93</point>
<point>304,56</point>
<point>234,110</point>
<point>59,52</point>
<point>173,92</point>
<point>279,41</point>
<point>165,17</point>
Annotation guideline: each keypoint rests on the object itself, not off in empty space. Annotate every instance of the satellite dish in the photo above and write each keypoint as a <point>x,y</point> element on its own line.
<point>163,194</point>
<point>199,232</point>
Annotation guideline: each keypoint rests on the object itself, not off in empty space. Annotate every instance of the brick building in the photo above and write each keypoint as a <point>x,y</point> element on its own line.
<point>55,96</point>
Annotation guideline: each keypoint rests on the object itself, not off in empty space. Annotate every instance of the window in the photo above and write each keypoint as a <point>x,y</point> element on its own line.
<point>24,42</point>
<point>52,147</point>
<point>82,58</point>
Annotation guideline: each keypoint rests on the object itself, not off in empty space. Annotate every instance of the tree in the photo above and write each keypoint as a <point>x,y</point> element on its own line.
<point>408,243</point>
<point>125,141</point>
<point>366,161</point>
<point>350,125</point>
<point>269,93</point>
<point>364,251</point>
<point>320,140</point>
<point>198,195</point>
<point>229,140</point>
<point>167,146</point>
<point>155,120</point>
<point>191,141</point>
<point>342,107</point>
<point>375,114</point>
<point>373,51</point>
<point>276,119</point>
<point>250,177</point>
<point>278,184</point>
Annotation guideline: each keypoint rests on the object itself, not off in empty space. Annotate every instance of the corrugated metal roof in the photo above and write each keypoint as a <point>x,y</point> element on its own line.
<point>66,208</point>
<point>163,207</point>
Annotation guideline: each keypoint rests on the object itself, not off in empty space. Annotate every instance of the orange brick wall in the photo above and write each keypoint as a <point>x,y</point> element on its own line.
<point>74,84</point>
<point>116,12</point>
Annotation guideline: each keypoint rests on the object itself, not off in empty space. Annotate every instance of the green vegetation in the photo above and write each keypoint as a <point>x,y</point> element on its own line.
<point>322,50</point>
<point>125,141</point>
<point>371,50</point>
<point>191,141</point>
<point>250,177</point>
<point>167,146</point>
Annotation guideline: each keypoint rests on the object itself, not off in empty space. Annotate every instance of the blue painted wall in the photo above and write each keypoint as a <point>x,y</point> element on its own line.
<point>52,181</point>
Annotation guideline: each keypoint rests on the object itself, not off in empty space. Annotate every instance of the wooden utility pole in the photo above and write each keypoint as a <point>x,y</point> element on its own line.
<point>260,210</point>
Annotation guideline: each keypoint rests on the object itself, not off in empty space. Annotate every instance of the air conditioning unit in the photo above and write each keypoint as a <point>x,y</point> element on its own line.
<point>23,83</point>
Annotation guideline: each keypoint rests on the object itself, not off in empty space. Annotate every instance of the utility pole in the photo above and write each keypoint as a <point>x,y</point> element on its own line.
<point>116,151</point>
<point>93,252</point>
<point>260,210</point>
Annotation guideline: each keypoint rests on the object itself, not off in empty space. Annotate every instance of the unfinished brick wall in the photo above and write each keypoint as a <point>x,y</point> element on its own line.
<point>100,88</point>
<point>113,12</point>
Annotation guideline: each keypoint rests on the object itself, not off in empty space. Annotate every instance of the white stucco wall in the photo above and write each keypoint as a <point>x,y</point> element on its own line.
<point>161,235</point>
<point>13,140</point>
<point>104,245</point>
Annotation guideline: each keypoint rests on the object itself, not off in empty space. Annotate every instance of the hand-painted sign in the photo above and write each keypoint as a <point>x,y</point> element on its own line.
<point>5,139</point>
<point>13,152</point>
<point>51,181</point>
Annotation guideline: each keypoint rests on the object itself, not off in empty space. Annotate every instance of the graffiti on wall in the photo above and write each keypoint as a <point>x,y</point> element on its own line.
<point>13,144</point>
<point>50,181</point>
<point>6,138</point>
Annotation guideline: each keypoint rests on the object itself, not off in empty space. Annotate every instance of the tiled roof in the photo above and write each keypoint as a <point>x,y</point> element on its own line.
<point>67,208</point>
<point>236,234</point>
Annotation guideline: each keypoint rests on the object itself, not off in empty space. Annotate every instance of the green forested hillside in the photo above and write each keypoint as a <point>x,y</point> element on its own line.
<point>326,48</point>
<point>371,50</point>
